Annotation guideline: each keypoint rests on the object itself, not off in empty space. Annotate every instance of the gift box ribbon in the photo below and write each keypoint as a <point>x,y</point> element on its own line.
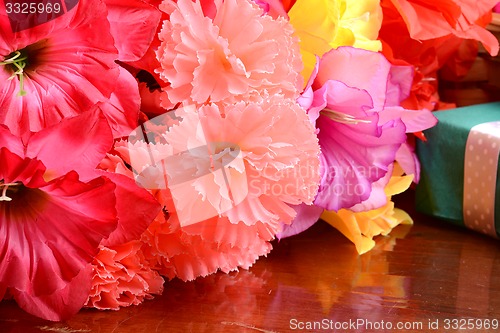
<point>480,171</point>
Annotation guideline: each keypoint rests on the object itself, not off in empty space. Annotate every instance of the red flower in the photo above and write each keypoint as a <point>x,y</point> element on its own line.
<point>430,19</point>
<point>54,213</point>
<point>63,67</point>
<point>427,34</point>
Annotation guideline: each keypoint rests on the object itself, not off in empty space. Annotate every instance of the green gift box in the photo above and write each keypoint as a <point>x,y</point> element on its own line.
<point>460,174</point>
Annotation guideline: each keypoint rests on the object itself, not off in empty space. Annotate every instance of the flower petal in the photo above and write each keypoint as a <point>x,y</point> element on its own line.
<point>408,161</point>
<point>122,108</point>
<point>132,39</point>
<point>10,141</point>
<point>414,120</point>
<point>354,157</point>
<point>378,197</point>
<point>60,305</point>
<point>330,24</point>
<point>307,215</point>
<point>83,140</point>
<point>429,19</point>
<point>122,277</point>
<point>386,84</point>
<point>136,208</point>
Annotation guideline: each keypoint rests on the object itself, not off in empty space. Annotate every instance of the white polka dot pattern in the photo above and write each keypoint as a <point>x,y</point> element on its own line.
<point>480,170</point>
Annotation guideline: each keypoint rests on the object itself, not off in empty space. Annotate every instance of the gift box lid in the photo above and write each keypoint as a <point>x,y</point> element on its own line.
<point>440,191</point>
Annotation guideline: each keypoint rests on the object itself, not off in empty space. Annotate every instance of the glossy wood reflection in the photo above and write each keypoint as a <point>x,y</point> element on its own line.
<point>426,273</point>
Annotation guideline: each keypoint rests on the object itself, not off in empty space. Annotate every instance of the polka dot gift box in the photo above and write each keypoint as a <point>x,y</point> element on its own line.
<point>460,179</point>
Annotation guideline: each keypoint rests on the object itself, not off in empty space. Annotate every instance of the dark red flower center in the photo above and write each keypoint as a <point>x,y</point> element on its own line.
<point>18,62</point>
<point>6,190</point>
<point>21,203</point>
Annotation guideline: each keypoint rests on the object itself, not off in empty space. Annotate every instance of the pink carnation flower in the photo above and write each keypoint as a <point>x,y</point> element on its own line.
<point>230,184</point>
<point>193,251</point>
<point>240,53</point>
<point>266,166</point>
<point>122,277</point>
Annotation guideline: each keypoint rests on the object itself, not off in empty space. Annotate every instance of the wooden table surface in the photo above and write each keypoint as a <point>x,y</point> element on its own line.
<point>431,277</point>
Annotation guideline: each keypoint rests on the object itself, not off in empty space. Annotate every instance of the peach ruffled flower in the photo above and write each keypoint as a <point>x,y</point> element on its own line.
<point>122,277</point>
<point>236,169</point>
<point>361,227</point>
<point>202,249</point>
<point>240,53</point>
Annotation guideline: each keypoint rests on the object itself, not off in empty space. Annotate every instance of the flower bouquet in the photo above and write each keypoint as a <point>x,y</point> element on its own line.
<point>145,139</point>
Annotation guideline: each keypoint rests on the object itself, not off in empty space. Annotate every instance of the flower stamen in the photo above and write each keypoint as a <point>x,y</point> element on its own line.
<point>17,62</point>
<point>343,118</point>
<point>5,188</point>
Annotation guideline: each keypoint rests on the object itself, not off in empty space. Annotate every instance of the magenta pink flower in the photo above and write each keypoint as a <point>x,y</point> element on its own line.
<point>351,88</point>
<point>346,98</point>
<point>356,150</point>
<point>361,125</point>
<point>63,67</point>
<point>386,84</point>
<point>55,212</point>
<point>353,98</point>
<point>208,59</point>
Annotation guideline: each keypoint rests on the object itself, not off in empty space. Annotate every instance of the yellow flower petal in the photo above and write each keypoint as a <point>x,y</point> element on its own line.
<point>349,227</point>
<point>398,183</point>
<point>402,216</point>
<point>333,23</point>
<point>361,227</point>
